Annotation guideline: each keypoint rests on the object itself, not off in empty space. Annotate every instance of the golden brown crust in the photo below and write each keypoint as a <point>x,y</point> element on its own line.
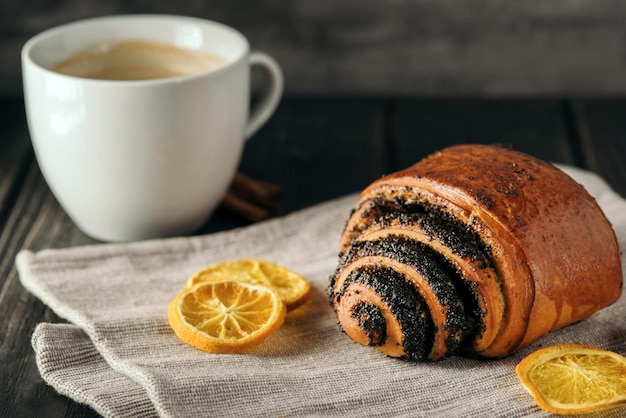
<point>553,250</point>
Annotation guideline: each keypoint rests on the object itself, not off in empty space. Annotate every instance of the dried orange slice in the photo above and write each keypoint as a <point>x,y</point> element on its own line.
<point>227,316</point>
<point>294,289</point>
<point>572,378</point>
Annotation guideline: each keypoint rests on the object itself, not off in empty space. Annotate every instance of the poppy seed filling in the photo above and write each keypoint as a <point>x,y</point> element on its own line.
<point>461,312</point>
<point>405,304</point>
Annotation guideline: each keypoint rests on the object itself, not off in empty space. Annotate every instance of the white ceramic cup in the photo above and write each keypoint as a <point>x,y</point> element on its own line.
<point>132,160</point>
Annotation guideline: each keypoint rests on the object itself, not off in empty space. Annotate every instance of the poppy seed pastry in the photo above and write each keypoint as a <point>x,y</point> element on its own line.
<point>476,249</point>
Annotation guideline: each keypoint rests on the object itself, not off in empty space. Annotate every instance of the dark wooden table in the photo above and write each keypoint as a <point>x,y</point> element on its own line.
<point>316,149</point>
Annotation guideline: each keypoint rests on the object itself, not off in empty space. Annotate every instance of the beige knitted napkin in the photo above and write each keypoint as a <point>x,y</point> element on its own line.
<point>119,355</point>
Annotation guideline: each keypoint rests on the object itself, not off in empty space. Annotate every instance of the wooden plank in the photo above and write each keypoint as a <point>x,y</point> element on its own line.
<point>15,149</point>
<point>426,47</point>
<point>328,147</point>
<point>534,127</point>
<point>601,126</point>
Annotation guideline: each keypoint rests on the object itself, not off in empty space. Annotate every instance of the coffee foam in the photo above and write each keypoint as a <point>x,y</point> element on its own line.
<point>137,60</point>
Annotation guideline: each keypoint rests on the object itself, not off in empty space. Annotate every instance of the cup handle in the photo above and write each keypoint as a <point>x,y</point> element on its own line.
<point>270,99</point>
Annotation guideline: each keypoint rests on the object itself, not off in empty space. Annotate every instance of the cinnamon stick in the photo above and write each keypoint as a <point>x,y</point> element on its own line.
<point>253,200</point>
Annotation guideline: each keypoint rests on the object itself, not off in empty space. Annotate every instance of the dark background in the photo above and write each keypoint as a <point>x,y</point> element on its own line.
<point>427,48</point>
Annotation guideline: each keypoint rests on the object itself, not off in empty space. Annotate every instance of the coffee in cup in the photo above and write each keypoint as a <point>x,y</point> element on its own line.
<point>137,60</point>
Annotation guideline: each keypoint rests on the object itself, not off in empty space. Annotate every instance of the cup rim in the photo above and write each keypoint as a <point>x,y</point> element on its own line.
<point>35,40</point>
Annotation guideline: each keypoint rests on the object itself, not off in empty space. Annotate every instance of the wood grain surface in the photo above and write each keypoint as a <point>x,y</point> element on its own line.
<point>315,148</point>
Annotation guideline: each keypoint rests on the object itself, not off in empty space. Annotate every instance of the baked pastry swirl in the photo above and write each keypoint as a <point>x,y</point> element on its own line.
<point>476,249</point>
